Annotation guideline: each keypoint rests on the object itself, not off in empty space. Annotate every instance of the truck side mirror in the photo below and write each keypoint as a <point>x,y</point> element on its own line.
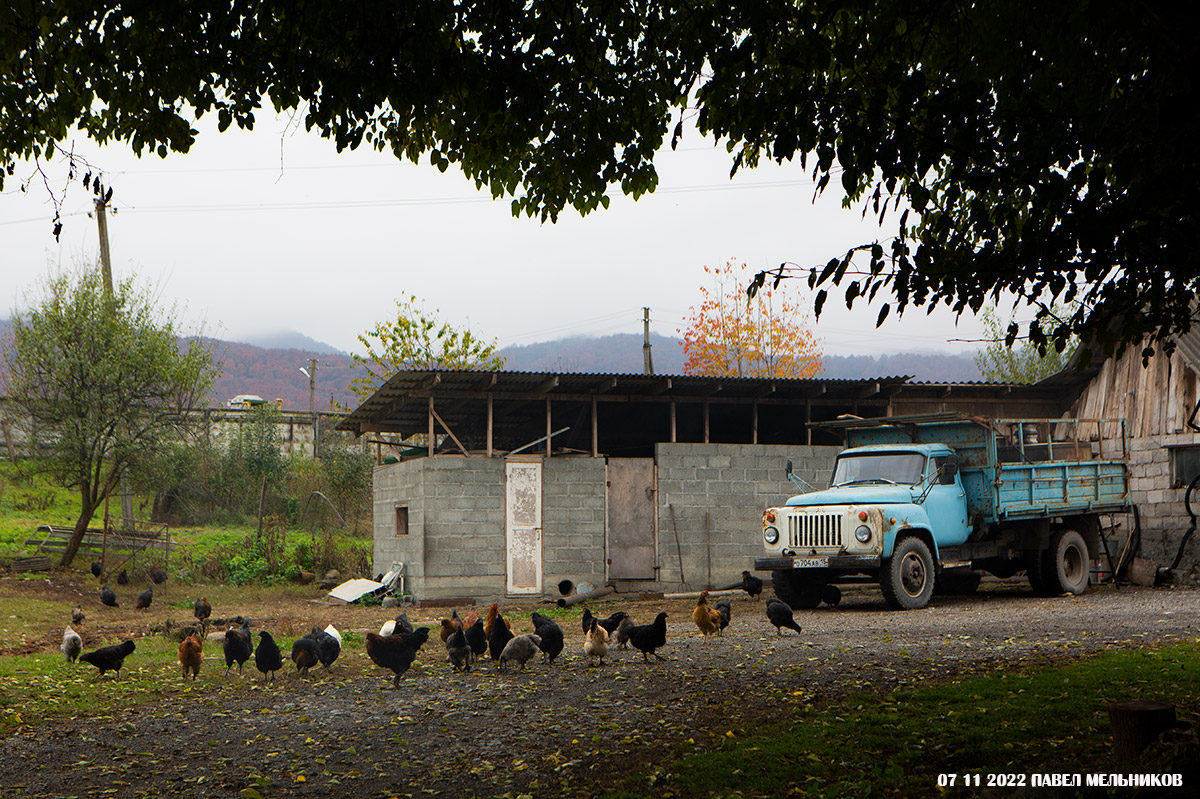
<point>788,469</point>
<point>950,467</point>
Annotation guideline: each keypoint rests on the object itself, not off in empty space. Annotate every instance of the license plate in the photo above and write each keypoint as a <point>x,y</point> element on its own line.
<point>810,563</point>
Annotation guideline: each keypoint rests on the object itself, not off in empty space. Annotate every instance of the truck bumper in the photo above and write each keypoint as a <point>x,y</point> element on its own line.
<point>851,563</point>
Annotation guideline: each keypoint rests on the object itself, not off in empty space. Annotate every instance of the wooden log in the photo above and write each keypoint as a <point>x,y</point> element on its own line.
<point>1136,724</point>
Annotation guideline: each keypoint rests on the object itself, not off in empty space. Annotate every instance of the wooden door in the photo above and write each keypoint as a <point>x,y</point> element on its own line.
<point>632,519</point>
<point>523,526</point>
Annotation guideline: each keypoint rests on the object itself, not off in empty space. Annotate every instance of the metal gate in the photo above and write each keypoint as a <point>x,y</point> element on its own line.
<point>632,519</point>
<point>523,526</point>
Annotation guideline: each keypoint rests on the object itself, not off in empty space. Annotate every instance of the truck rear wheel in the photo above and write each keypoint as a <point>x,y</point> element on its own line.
<point>907,578</point>
<point>798,592</point>
<point>1035,569</point>
<point>1065,564</point>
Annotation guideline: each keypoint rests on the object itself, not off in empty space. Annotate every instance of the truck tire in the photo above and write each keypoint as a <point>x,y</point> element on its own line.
<point>1065,563</point>
<point>1035,571</point>
<point>907,578</point>
<point>796,591</point>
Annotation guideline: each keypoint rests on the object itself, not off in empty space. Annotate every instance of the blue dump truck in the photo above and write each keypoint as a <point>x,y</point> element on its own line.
<point>919,503</point>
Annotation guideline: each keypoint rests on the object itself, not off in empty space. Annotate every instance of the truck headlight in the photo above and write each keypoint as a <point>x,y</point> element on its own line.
<point>770,534</point>
<point>862,534</point>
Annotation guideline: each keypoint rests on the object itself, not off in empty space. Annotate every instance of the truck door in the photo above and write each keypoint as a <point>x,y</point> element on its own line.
<point>946,507</point>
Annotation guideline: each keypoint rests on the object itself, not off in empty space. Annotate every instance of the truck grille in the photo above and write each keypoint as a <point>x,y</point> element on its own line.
<point>815,531</point>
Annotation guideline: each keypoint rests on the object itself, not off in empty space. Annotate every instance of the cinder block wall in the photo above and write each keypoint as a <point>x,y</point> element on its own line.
<point>733,484</point>
<point>1160,503</point>
<point>573,521</point>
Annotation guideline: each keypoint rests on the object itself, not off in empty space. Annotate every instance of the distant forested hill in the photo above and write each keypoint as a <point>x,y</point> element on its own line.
<point>622,354</point>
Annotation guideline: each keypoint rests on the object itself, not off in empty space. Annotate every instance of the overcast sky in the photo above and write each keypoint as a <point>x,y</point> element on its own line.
<point>274,230</point>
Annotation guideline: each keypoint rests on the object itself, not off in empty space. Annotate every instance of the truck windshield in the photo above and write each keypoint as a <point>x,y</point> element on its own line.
<point>899,468</point>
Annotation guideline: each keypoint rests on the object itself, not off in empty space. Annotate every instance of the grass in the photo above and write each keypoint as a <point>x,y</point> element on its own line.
<point>1049,718</point>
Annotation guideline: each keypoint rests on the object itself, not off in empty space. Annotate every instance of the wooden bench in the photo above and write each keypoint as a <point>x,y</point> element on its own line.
<point>54,539</point>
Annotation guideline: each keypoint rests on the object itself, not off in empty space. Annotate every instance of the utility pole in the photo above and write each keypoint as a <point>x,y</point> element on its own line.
<point>648,361</point>
<point>105,257</point>
<point>311,371</point>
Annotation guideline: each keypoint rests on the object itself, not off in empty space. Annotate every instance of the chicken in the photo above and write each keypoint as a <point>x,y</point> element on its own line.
<point>72,645</point>
<point>122,577</point>
<point>448,629</point>
<point>396,652</point>
<point>202,611</point>
<point>328,646</point>
<point>472,617</point>
<point>751,584</point>
<point>77,616</point>
<point>725,610</point>
<point>109,658</point>
<point>780,614</point>
<point>98,568</point>
<point>520,649</point>
<point>611,624</point>
<point>621,636</point>
<point>239,646</point>
<point>108,597</point>
<point>585,621</point>
<point>145,598</point>
<point>476,638</point>
<point>334,632</point>
<point>157,575</point>
<point>267,657</point>
<point>550,633</point>
<point>458,650</point>
<point>595,643</point>
<point>493,612</point>
<point>646,638</point>
<point>400,624</point>
<point>304,654</point>
<point>705,618</point>
<point>499,636</point>
<point>191,655</point>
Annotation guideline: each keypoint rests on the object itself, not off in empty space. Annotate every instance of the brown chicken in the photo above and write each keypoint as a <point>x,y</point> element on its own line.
<point>448,629</point>
<point>469,621</point>
<point>191,655</point>
<point>595,643</point>
<point>707,619</point>
<point>493,612</point>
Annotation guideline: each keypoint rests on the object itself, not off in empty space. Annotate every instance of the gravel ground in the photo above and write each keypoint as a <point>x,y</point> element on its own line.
<point>558,730</point>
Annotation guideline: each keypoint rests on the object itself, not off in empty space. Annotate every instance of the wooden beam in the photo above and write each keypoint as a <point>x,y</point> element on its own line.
<point>595,430</point>
<point>449,432</point>
<point>706,422</point>
<point>549,429</point>
<point>547,385</point>
<point>673,423</point>
<point>754,422</point>
<point>430,442</point>
<point>489,424</point>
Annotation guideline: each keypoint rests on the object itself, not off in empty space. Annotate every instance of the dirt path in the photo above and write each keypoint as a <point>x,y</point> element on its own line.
<point>554,730</point>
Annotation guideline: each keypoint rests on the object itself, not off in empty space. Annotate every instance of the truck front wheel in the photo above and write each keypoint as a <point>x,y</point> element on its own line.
<point>1065,567</point>
<point>799,592</point>
<point>907,578</point>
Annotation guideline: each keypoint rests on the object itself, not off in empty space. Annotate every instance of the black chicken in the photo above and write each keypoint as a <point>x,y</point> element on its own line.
<point>585,621</point>
<point>157,575</point>
<point>396,652</point>
<point>109,658</point>
<point>328,647</point>
<point>499,638</point>
<point>831,595</point>
<point>97,568</point>
<point>725,608</point>
<point>108,597</point>
<point>550,633</point>
<point>751,584</point>
<point>239,646</point>
<point>145,598</point>
<point>122,577</point>
<point>202,610</point>
<point>458,651</point>
<point>613,622</point>
<point>304,654</point>
<point>780,614</point>
<point>648,637</point>
<point>267,657</point>
<point>476,638</point>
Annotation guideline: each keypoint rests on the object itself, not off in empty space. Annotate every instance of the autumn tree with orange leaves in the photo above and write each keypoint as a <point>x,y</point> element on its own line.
<point>729,335</point>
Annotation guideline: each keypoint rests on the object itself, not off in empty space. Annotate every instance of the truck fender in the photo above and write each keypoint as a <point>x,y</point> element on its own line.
<point>910,521</point>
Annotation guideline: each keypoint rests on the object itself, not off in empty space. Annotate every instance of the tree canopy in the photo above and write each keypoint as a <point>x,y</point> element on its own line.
<point>1045,149</point>
<point>768,336</point>
<point>1005,360</point>
<point>417,339</point>
<point>106,383</point>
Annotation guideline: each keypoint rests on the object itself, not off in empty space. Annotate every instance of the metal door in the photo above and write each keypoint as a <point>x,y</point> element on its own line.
<point>632,517</point>
<point>523,526</point>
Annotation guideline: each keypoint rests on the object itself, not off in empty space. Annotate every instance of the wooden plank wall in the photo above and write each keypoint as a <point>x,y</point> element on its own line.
<point>1156,399</point>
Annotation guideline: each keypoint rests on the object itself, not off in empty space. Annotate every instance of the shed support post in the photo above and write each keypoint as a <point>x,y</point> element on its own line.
<point>595,430</point>
<point>706,441</point>
<point>754,422</point>
<point>673,421</point>
<point>549,431</point>
<point>429,441</point>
